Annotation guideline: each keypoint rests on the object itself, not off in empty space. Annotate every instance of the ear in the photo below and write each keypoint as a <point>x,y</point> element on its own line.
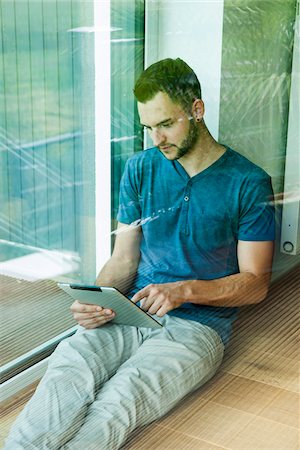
<point>198,109</point>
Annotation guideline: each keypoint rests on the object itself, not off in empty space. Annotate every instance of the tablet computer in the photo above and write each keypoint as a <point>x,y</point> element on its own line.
<point>127,312</point>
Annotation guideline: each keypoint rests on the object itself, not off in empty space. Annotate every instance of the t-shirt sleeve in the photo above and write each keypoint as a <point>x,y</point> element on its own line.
<point>129,205</point>
<point>257,216</point>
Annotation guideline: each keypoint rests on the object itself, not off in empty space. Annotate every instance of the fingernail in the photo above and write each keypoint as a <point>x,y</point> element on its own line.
<point>107,312</point>
<point>99,308</point>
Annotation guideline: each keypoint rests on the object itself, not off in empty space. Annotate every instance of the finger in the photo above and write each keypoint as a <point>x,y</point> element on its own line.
<point>153,302</point>
<point>162,311</point>
<point>147,303</point>
<point>156,305</point>
<point>96,321</point>
<point>84,307</point>
<point>90,315</point>
<point>140,295</point>
<point>143,302</point>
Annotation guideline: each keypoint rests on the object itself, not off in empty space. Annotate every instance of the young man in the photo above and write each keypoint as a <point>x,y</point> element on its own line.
<point>194,242</point>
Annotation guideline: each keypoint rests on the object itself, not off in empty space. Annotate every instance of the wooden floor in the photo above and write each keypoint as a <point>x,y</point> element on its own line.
<point>253,401</point>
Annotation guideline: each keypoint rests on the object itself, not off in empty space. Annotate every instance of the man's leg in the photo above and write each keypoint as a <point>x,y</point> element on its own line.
<point>77,369</point>
<point>167,366</point>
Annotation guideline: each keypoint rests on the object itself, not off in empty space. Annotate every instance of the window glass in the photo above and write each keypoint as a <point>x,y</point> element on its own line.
<point>48,227</point>
<point>256,76</point>
<point>257,54</point>
<point>47,179</point>
<point>41,187</point>
<point>127,52</point>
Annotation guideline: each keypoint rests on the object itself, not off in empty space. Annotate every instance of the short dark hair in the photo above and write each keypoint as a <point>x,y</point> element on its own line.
<point>171,76</point>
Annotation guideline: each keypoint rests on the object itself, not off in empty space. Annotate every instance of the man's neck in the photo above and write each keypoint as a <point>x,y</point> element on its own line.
<point>205,152</point>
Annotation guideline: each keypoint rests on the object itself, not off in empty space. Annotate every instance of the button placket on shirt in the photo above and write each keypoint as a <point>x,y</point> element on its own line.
<point>185,208</point>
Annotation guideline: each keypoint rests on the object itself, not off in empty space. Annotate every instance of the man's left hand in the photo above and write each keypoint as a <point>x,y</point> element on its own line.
<point>160,298</point>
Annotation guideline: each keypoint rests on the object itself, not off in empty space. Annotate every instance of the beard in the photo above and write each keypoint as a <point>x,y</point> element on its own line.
<point>188,143</point>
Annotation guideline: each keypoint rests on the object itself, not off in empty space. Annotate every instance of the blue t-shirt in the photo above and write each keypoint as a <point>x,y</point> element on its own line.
<point>191,225</point>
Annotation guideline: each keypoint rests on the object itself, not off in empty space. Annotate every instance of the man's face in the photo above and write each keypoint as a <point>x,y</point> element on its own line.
<point>169,126</point>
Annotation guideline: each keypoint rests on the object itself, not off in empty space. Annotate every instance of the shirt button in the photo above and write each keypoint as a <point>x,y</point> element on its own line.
<point>186,198</point>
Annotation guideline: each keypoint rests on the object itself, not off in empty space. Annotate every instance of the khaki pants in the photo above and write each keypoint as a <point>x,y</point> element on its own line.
<point>102,384</point>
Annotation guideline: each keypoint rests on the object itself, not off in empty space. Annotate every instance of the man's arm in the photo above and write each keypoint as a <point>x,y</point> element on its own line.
<point>119,272</point>
<point>247,287</point>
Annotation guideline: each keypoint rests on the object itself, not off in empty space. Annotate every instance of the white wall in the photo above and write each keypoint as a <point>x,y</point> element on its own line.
<point>191,30</point>
<point>290,232</point>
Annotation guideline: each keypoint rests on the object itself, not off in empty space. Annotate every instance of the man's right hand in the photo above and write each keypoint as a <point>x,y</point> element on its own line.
<point>91,316</point>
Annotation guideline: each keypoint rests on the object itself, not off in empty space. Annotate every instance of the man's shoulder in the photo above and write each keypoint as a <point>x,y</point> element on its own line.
<point>149,154</point>
<point>243,166</point>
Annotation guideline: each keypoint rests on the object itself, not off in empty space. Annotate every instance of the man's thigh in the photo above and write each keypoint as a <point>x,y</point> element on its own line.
<point>188,352</point>
<point>168,365</point>
<point>106,347</point>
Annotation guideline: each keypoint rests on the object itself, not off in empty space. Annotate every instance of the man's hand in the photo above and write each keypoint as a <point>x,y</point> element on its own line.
<point>160,298</point>
<point>91,316</point>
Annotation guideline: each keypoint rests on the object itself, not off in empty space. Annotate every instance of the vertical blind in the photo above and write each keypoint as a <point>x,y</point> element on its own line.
<point>40,142</point>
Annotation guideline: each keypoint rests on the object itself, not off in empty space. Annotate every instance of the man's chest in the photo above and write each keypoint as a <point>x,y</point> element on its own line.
<point>202,207</point>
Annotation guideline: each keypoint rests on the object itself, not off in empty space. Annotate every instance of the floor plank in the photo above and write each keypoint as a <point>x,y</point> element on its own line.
<point>262,434</point>
<point>213,422</point>
<point>161,438</point>
<point>268,368</point>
